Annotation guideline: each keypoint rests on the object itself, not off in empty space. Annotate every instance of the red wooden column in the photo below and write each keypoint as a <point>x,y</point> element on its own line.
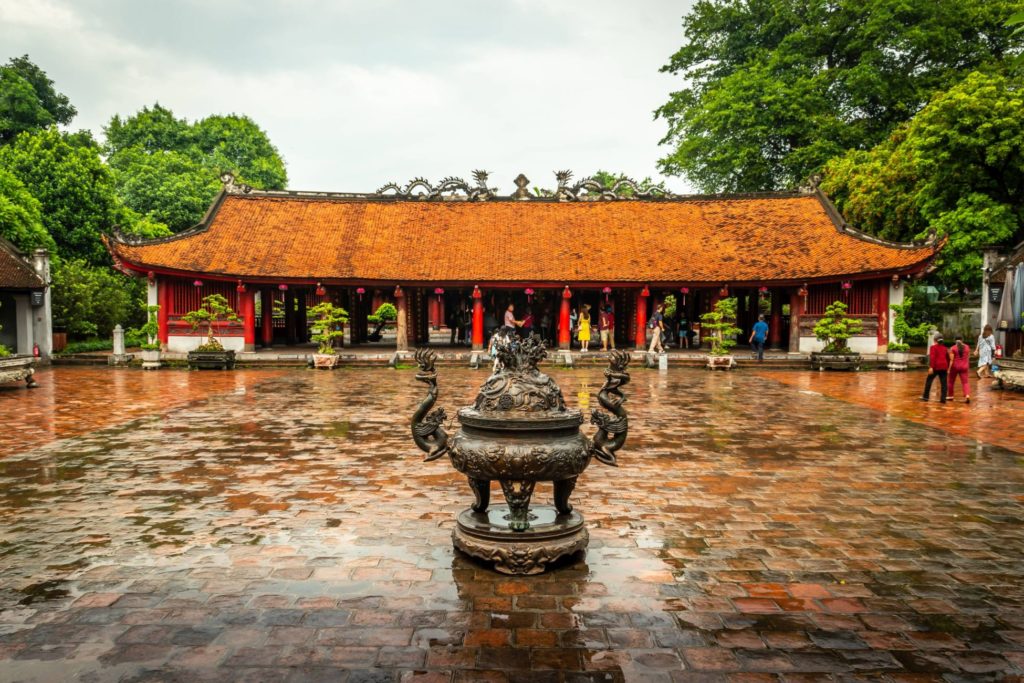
<point>439,320</point>
<point>641,318</point>
<point>478,319</point>
<point>163,300</point>
<point>247,302</point>
<point>883,314</point>
<point>775,326</point>
<point>796,309</point>
<point>267,304</point>
<point>564,324</point>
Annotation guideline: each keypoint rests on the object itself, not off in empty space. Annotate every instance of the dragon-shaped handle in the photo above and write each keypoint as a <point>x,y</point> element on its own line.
<point>613,426</point>
<point>427,427</point>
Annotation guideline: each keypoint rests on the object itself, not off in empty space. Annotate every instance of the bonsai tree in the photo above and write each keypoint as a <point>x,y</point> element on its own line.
<point>835,328</point>
<point>214,310</point>
<point>329,326</point>
<point>385,312</point>
<point>720,322</point>
<point>149,331</point>
<point>904,331</point>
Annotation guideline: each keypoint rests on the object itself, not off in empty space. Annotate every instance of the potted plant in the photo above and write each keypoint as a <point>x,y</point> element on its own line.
<point>719,326</point>
<point>898,351</point>
<point>328,329</point>
<point>834,329</point>
<point>211,355</point>
<point>385,313</point>
<point>149,333</point>
<point>14,368</point>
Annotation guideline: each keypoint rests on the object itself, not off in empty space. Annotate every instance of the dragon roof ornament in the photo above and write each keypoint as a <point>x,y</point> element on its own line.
<point>587,189</point>
<point>421,188</point>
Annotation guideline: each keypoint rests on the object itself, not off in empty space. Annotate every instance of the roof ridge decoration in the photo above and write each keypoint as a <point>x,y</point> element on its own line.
<point>450,185</point>
<point>595,189</point>
<point>228,180</point>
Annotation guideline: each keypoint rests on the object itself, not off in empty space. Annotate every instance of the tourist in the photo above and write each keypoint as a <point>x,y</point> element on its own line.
<point>938,363</point>
<point>584,334</point>
<point>684,332</point>
<point>527,326</point>
<point>574,317</point>
<point>606,323</point>
<point>510,321</point>
<point>657,327</point>
<point>545,325</point>
<point>986,351</point>
<point>758,337</point>
<point>959,362</point>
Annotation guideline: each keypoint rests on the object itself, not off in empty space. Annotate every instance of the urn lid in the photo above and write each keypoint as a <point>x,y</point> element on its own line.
<point>518,395</point>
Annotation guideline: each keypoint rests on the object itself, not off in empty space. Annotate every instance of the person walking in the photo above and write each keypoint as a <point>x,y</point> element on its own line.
<point>527,328</point>
<point>584,335</point>
<point>986,351</point>
<point>657,326</point>
<point>959,362</point>
<point>684,332</point>
<point>606,324</point>
<point>938,363</point>
<point>510,321</point>
<point>758,337</point>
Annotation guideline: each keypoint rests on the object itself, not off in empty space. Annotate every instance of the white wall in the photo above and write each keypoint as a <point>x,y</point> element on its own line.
<point>857,344</point>
<point>895,297</point>
<point>23,313</point>
<point>177,343</point>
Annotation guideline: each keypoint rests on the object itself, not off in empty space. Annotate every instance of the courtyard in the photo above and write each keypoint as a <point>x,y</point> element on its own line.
<point>279,525</point>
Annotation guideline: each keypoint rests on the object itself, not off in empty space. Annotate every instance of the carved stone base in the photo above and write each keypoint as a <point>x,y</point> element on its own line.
<point>18,368</point>
<point>487,536</point>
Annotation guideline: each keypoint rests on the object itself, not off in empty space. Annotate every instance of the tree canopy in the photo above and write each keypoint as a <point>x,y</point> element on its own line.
<point>21,221</point>
<point>776,88</point>
<point>28,100</point>
<point>168,169</point>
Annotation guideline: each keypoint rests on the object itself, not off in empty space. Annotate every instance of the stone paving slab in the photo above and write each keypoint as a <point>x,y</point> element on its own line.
<point>280,527</point>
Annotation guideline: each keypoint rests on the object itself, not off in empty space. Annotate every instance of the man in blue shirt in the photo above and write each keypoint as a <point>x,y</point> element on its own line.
<point>758,337</point>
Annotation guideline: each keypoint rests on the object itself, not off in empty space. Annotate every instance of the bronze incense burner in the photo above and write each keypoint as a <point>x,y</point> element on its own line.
<point>519,432</point>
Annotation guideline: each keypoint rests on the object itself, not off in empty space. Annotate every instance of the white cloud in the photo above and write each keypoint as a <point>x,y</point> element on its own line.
<point>529,86</point>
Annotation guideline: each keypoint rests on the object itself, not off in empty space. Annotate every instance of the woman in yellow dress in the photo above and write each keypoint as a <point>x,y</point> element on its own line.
<point>584,334</point>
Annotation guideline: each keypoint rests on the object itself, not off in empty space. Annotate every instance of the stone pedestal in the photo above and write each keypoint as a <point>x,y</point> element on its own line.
<point>487,536</point>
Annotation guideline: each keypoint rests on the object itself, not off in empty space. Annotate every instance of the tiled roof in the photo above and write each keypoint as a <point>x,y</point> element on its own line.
<point>709,240</point>
<point>15,271</point>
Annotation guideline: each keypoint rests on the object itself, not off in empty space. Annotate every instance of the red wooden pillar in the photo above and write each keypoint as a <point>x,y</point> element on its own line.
<point>267,304</point>
<point>564,324</point>
<point>247,302</point>
<point>796,309</point>
<point>478,319</point>
<point>440,319</point>
<point>163,300</point>
<point>775,326</point>
<point>883,314</point>
<point>432,312</point>
<point>641,318</point>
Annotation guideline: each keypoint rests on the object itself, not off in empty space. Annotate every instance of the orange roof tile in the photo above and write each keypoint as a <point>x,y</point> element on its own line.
<point>701,240</point>
<point>15,271</point>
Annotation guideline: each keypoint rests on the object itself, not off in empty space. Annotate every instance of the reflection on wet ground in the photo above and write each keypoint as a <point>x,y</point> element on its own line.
<point>279,526</point>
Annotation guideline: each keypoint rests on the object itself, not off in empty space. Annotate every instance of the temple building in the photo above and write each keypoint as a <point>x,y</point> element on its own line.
<point>459,252</point>
<point>25,322</point>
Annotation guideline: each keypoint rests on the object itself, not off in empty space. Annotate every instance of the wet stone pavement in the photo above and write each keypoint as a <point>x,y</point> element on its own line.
<point>280,526</point>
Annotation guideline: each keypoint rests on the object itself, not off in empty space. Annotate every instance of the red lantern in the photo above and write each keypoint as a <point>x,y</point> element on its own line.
<point>283,287</point>
<point>847,285</point>
<point>439,291</point>
<point>566,294</point>
<point>320,291</point>
<point>198,283</point>
<point>151,276</point>
<point>241,287</point>
<point>477,294</point>
<point>684,291</point>
<point>529,294</point>
<point>645,292</point>
<point>802,292</point>
<point>607,291</point>
<point>360,291</point>
<point>398,292</point>
<point>724,291</point>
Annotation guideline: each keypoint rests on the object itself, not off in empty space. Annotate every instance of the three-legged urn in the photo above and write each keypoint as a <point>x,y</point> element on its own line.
<point>519,432</point>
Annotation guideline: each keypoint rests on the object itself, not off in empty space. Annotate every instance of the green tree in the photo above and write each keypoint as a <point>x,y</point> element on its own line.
<point>28,100</point>
<point>89,301</point>
<point>214,311</point>
<point>21,221</point>
<point>75,191</point>
<point>719,326</point>
<point>775,88</point>
<point>835,328</point>
<point>168,169</point>
<point>957,167</point>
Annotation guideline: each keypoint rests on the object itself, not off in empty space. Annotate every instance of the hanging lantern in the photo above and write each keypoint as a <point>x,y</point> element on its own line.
<point>360,291</point>
<point>477,294</point>
<point>529,294</point>
<point>566,294</point>
<point>724,291</point>
<point>895,281</point>
<point>847,285</point>
<point>398,292</point>
<point>241,287</point>
<point>762,290</point>
<point>151,276</point>
<point>645,292</point>
<point>283,287</point>
<point>802,292</point>
<point>439,291</point>
<point>607,291</point>
<point>320,290</point>
<point>684,291</point>
<point>198,283</point>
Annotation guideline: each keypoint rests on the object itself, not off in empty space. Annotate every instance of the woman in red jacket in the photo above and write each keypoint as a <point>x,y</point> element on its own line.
<point>938,363</point>
<point>959,364</point>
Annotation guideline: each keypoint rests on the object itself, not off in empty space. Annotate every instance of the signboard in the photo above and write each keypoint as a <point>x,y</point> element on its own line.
<point>995,293</point>
<point>37,298</point>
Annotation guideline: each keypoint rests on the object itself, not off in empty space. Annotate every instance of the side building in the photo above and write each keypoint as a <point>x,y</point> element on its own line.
<point>25,316</point>
<point>457,253</point>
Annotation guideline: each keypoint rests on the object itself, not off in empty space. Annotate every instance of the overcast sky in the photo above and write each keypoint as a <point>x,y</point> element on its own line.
<point>358,93</point>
